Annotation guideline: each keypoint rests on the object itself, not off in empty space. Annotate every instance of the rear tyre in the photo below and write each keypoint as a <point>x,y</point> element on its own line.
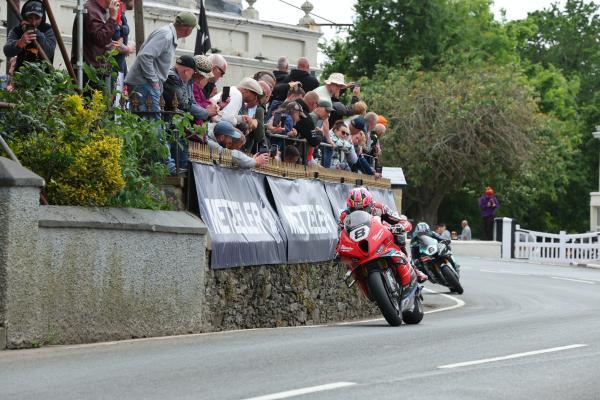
<point>452,279</point>
<point>416,315</point>
<point>389,306</point>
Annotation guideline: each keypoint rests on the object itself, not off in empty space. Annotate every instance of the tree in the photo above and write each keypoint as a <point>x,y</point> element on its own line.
<point>388,32</point>
<point>455,126</point>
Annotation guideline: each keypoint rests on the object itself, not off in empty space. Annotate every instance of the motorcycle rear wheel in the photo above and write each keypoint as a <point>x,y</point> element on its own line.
<point>384,299</point>
<point>452,279</point>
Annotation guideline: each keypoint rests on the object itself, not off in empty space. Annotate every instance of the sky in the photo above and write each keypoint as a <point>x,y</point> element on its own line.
<point>341,11</point>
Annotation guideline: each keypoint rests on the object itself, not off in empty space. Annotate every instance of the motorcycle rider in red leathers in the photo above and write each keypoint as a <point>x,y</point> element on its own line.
<point>361,199</point>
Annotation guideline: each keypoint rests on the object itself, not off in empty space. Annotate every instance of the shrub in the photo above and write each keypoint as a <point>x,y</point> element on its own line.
<point>88,153</point>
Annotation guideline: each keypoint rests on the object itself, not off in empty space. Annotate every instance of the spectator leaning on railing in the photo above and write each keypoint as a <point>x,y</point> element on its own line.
<point>247,91</point>
<point>222,136</point>
<point>219,69</point>
<point>179,85</point>
<point>151,67</point>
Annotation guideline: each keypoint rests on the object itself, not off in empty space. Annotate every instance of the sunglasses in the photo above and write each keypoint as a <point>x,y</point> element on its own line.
<point>344,133</point>
<point>220,69</point>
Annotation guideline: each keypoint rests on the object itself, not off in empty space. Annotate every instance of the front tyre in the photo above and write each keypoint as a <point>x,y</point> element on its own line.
<point>387,303</point>
<point>416,315</point>
<point>452,279</point>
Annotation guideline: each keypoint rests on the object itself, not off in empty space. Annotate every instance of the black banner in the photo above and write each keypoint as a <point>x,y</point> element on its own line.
<point>338,196</point>
<point>306,216</point>
<point>244,228</point>
<point>384,196</point>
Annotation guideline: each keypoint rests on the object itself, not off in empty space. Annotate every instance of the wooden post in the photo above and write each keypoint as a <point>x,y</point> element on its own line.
<point>59,40</point>
<point>138,14</point>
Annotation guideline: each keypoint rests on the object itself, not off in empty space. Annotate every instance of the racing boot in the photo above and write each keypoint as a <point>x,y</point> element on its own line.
<point>421,277</point>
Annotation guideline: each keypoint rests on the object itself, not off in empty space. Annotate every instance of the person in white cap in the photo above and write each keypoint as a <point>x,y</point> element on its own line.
<point>247,91</point>
<point>333,85</point>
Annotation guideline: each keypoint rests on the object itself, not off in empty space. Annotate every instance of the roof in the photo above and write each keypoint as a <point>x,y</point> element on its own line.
<point>395,175</point>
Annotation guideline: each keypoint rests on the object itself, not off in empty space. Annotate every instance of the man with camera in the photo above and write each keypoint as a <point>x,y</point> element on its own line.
<point>21,41</point>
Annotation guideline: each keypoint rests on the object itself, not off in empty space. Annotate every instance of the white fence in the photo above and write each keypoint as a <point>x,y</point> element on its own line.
<point>559,247</point>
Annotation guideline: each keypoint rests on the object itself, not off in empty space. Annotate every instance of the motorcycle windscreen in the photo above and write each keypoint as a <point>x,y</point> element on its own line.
<point>428,244</point>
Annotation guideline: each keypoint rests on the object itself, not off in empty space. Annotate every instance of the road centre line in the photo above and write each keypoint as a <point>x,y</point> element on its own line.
<point>511,356</point>
<point>505,272</point>
<point>573,280</point>
<point>307,390</point>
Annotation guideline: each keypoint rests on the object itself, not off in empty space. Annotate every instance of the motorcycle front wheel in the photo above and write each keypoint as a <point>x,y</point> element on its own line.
<point>452,279</point>
<point>387,303</point>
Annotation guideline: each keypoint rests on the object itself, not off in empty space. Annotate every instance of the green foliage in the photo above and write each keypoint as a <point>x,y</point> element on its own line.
<point>86,155</point>
<point>388,32</point>
<point>453,127</point>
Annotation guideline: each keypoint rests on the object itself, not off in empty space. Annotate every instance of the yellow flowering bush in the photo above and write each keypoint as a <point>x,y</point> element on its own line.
<point>88,153</point>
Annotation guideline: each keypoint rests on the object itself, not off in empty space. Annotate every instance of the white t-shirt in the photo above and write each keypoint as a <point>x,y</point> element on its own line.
<point>232,110</point>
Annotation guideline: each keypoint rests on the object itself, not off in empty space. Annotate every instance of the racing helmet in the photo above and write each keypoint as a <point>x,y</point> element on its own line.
<point>360,199</point>
<point>421,229</point>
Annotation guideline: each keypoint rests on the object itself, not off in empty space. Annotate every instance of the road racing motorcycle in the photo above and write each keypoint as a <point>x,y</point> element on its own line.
<point>382,271</point>
<point>434,260</point>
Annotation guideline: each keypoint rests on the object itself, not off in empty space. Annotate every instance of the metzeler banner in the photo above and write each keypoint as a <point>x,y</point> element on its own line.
<point>338,196</point>
<point>244,228</point>
<point>384,196</point>
<point>305,213</point>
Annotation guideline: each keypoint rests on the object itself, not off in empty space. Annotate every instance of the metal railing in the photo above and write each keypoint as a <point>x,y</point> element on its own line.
<point>561,247</point>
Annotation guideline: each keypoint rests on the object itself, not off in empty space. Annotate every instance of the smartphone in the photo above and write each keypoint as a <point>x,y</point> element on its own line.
<point>274,150</point>
<point>225,94</point>
<point>277,119</point>
<point>29,27</point>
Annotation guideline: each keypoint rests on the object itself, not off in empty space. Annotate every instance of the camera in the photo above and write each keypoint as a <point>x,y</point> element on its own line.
<point>28,27</point>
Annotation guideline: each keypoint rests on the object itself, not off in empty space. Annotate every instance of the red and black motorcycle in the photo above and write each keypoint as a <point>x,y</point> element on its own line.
<point>380,268</point>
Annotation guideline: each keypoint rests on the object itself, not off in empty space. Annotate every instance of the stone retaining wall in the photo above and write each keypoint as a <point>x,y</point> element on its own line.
<point>78,275</point>
<point>281,295</point>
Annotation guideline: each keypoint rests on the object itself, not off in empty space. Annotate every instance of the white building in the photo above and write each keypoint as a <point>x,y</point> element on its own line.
<point>248,43</point>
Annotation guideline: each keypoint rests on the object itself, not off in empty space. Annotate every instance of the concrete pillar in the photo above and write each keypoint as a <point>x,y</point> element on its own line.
<point>19,211</point>
<point>507,238</point>
<point>397,191</point>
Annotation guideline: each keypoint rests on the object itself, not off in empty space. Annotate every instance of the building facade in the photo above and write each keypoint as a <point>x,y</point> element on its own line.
<point>248,43</point>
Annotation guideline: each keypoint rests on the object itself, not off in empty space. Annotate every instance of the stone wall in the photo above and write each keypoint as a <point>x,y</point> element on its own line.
<point>281,295</point>
<point>78,275</point>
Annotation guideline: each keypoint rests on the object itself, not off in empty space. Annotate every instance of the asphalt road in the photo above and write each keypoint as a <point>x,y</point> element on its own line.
<point>525,332</point>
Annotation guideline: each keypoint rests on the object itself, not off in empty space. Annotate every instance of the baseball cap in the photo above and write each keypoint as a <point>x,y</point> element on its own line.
<point>33,7</point>
<point>293,106</point>
<point>186,61</point>
<point>358,123</point>
<point>326,104</point>
<point>186,18</point>
<point>225,128</point>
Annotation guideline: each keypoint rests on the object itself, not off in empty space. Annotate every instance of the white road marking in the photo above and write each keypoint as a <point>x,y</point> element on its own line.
<point>299,392</point>
<point>573,280</point>
<point>511,356</point>
<point>505,272</point>
<point>459,302</point>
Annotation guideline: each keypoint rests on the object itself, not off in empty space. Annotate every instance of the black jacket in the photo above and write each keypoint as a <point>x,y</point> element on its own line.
<point>45,37</point>
<point>280,76</point>
<point>308,81</point>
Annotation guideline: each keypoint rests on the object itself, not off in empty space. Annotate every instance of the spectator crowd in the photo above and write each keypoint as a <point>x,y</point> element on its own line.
<point>286,114</point>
